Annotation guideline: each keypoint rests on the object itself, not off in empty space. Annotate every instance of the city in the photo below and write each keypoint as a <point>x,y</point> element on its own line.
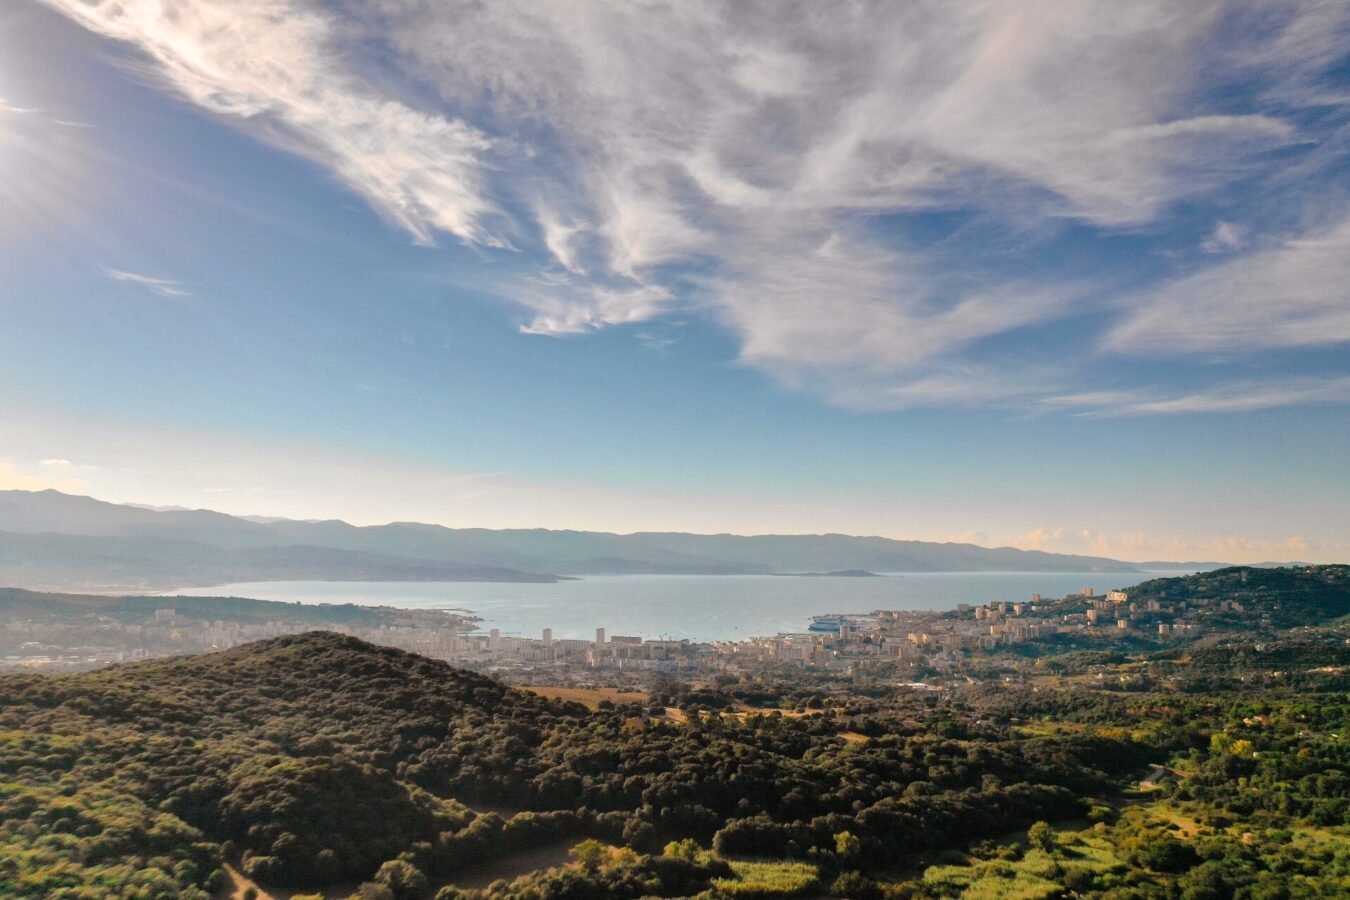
<point>924,641</point>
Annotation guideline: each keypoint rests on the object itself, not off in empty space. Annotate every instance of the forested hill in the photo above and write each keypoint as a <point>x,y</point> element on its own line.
<point>328,688</point>
<point>1281,597</point>
<point>303,749</point>
<point>318,758</point>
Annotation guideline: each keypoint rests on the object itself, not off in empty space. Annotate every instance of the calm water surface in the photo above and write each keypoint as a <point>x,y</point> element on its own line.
<point>699,607</point>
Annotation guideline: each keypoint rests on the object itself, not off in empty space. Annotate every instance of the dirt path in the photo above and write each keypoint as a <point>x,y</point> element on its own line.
<point>545,856</point>
<point>1155,774</point>
<point>235,885</point>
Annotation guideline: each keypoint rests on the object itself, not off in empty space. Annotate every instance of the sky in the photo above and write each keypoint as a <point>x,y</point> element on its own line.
<point>1060,275</point>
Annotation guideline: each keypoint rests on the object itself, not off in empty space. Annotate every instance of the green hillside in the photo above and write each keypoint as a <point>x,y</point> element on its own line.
<point>1280,597</point>
<point>318,759</point>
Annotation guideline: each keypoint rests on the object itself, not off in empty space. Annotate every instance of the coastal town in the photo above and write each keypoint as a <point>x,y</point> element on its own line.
<point>924,642</point>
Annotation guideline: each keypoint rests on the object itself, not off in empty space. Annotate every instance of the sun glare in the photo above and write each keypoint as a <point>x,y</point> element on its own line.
<point>43,170</point>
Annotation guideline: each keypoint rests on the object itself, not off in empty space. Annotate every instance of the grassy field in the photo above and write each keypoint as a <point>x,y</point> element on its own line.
<point>756,878</point>
<point>1091,859</point>
<point>1081,856</point>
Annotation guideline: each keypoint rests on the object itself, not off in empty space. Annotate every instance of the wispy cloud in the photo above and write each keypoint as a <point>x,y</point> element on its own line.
<point>1225,238</point>
<point>7,107</point>
<point>1244,396</point>
<point>161,286</point>
<point>736,159</point>
<point>1292,295</point>
<point>275,66</point>
<point>61,464</point>
<point>868,327</point>
<point>16,109</point>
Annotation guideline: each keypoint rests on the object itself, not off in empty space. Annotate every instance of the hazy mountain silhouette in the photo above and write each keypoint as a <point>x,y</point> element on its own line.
<point>60,541</point>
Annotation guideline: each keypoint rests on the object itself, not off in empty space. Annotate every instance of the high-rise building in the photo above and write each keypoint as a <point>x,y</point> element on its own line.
<point>599,637</point>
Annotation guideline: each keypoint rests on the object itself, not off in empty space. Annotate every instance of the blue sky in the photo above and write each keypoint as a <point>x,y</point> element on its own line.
<point>1064,275</point>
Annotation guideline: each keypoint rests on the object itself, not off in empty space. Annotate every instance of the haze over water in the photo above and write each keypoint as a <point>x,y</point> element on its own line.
<point>699,607</point>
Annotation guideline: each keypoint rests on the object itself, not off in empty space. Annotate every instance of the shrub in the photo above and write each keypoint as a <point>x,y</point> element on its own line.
<point>1167,854</point>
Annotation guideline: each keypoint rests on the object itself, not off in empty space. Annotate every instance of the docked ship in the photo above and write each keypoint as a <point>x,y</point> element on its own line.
<point>831,623</point>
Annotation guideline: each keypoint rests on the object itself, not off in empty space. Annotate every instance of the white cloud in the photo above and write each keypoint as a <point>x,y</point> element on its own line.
<point>867,327</point>
<point>55,463</point>
<point>17,478</point>
<point>562,308</point>
<point>1142,546</point>
<point>161,286</point>
<point>734,157</point>
<point>1293,295</point>
<point>278,67</point>
<point>1225,238</point>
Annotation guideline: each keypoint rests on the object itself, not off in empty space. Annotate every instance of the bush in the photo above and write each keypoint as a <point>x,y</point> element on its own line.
<point>403,879</point>
<point>1041,836</point>
<point>1080,881</point>
<point>1167,854</point>
<point>856,886</point>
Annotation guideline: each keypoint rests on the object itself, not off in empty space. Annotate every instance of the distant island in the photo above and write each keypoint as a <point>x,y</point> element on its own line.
<point>842,573</point>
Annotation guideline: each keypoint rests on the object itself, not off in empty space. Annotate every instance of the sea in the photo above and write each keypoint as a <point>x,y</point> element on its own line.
<point>698,607</point>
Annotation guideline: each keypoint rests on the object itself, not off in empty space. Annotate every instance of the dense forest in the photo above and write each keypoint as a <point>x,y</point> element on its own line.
<point>318,759</point>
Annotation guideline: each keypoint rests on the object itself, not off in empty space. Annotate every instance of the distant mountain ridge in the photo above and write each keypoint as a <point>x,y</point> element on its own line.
<point>56,541</point>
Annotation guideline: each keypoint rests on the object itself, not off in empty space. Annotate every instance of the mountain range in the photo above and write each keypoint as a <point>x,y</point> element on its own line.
<point>55,541</point>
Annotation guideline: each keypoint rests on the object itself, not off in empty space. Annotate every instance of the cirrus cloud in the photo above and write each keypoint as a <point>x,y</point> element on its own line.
<point>751,161</point>
<point>1294,294</point>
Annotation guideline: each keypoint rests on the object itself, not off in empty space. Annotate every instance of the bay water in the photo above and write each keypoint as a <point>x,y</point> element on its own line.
<point>698,607</point>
